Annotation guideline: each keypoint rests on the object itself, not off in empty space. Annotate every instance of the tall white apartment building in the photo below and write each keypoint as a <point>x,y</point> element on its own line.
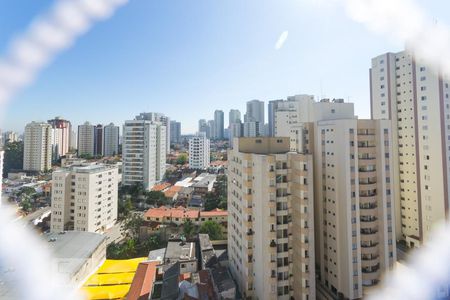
<point>199,151</point>
<point>37,147</point>
<point>86,139</point>
<point>235,131</point>
<point>84,198</point>
<point>160,118</point>
<point>175,132</point>
<point>143,152</point>
<point>234,116</point>
<point>251,129</point>
<point>416,100</point>
<point>354,204</point>
<point>292,114</point>
<point>9,136</point>
<point>111,140</point>
<point>62,134</point>
<point>271,219</point>
<point>255,115</point>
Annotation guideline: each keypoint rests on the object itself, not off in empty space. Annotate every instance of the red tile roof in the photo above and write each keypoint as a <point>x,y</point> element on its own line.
<point>184,213</point>
<point>161,187</point>
<point>214,213</point>
<point>159,212</point>
<point>178,212</point>
<point>142,284</point>
<point>170,193</point>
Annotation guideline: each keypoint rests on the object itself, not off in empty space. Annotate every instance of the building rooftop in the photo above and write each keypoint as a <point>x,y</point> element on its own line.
<point>89,168</point>
<point>263,145</point>
<point>157,254</point>
<point>224,282</point>
<point>72,248</point>
<point>179,251</point>
<point>214,213</point>
<point>172,191</point>
<point>161,187</point>
<point>143,279</point>
<point>204,180</point>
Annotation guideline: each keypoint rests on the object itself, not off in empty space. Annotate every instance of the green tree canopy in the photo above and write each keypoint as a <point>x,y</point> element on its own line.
<point>182,159</point>
<point>213,229</point>
<point>189,229</point>
<point>13,159</point>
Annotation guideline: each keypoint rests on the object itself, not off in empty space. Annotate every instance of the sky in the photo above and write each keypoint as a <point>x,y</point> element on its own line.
<point>189,58</point>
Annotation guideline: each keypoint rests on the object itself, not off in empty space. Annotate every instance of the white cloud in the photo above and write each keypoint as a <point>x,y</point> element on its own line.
<point>47,36</point>
<point>281,40</point>
<point>404,20</point>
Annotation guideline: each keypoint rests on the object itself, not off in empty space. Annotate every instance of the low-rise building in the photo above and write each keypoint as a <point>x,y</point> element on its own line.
<point>179,215</point>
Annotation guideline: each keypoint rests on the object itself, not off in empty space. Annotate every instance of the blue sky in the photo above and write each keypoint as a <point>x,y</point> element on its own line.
<point>188,58</point>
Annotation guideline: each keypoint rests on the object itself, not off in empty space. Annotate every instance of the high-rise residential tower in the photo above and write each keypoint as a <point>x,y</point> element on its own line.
<point>111,140</point>
<point>62,131</point>
<point>98,140</point>
<point>199,151</point>
<point>354,204</point>
<point>235,131</point>
<point>219,125</point>
<point>9,137</point>
<point>211,129</point>
<point>86,139</point>
<point>234,117</point>
<point>272,108</point>
<point>271,219</point>
<point>354,199</point>
<point>416,100</point>
<point>143,152</point>
<point>37,155</point>
<point>161,118</point>
<point>84,198</point>
<point>175,132</point>
<point>255,112</point>
<point>203,126</point>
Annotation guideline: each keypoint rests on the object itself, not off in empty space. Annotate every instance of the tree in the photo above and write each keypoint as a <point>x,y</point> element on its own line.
<point>125,206</point>
<point>182,159</point>
<point>213,229</point>
<point>13,159</point>
<point>188,229</point>
<point>26,204</point>
<point>132,226</point>
<point>155,198</point>
<point>151,243</point>
<point>211,201</point>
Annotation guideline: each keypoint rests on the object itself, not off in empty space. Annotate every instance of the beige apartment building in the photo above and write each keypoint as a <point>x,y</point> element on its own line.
<point>37,152</point>
<point>270,219</point>
<point>84,198</point>
<point>354,205</point>
<point>290,116</point>
<point>354,201</point>
<point>416,100</point>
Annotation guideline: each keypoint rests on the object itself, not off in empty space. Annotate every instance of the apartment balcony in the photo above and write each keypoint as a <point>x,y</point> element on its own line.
<point>372,263</point>
<point>370,244</point>
<point>366,138</point>
<point>366,162</point>
<point>367,186</point>
<point>371,151</point>
<point>368,215</point>
<point>369,238</point>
